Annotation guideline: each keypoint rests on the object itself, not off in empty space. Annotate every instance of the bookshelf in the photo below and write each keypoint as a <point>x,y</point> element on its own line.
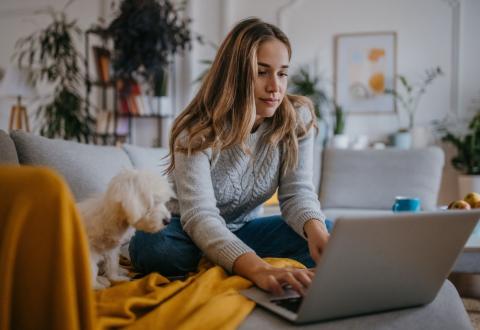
<point>116,112</point>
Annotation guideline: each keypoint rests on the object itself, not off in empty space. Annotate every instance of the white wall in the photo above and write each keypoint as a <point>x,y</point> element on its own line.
<point>424,39</point>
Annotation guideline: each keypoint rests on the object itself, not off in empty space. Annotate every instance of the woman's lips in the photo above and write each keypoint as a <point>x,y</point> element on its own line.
<point>269,102</point>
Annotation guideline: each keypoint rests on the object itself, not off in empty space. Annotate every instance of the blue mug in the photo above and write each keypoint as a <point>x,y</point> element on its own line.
<point>406,204</point>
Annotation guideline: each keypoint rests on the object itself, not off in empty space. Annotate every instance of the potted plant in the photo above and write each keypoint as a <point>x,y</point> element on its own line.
<point>467,160</point>
<point>408,98</point>
<point>303,83</point>
<point>340,139</point>
<point>146,34</point>
<point>51,55</point>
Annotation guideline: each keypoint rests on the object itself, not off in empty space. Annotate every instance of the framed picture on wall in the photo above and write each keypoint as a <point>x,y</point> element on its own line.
<point>365,65</point>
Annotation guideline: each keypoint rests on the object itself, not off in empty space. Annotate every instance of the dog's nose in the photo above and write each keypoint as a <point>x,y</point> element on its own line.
<point>166,221</point>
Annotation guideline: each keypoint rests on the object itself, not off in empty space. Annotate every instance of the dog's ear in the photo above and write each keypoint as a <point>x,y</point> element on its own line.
<point>123,191</point>
<point>133,207</point>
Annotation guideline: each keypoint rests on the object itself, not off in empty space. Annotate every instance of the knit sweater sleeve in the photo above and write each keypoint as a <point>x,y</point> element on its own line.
<point>298,200</point>
<point>199,214</point>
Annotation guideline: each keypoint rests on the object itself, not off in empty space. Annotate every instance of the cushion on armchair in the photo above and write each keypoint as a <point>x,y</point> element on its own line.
<point>371,179</point>
<point>152,159</point>
<point>8,154</point>
<point>86,168</point>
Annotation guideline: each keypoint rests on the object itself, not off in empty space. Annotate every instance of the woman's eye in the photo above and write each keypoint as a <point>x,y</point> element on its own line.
<point>283,74</point>
<point>262,73</point>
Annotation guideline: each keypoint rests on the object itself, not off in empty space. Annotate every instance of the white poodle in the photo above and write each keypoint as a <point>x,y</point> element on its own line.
<point>134,199</point>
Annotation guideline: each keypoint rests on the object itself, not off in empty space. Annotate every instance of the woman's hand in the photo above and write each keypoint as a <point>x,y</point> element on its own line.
<point>317,236</point>
<point>269,278</point>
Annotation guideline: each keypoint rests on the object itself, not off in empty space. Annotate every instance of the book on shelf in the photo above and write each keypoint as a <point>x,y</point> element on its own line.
<point>105,122</point>
<point>102,63</point>
<point>122,126</point>
<point>133,101</point>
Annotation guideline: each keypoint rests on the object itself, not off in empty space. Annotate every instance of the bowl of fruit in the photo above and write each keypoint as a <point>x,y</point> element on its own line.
<point>470,201</point>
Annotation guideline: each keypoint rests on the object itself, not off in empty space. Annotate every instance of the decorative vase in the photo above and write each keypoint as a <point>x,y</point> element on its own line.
<point>420,137</point>
<point>467,184</point>
<point>402,140</point>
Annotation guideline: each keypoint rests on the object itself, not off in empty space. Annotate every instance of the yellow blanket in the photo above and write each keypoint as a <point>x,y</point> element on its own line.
<point>44,268</point>
<point>45,273</point>
<point>208,299</point>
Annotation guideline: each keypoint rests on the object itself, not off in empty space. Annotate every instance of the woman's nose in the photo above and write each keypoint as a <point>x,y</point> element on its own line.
<point>273,85</point>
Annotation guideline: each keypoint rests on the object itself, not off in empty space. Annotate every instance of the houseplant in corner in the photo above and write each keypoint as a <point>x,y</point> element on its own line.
<point>408,98</point>
<point>467,160</point>
<point>146,34</point>
<point>51,54</point>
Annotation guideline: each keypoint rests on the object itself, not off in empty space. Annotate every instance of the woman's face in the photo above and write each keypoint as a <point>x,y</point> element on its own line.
<point>271,81</point>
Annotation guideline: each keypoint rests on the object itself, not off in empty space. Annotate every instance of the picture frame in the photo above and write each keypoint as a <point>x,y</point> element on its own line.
<point>365,66</point>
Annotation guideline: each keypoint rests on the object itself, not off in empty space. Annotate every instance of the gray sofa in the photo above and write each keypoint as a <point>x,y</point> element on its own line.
<point>348,182</point>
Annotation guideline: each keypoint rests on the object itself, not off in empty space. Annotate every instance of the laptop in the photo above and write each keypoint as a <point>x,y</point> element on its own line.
<point>377,263</point>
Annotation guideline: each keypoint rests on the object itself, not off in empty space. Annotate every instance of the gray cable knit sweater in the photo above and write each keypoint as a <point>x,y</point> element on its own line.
<point>217,193</point>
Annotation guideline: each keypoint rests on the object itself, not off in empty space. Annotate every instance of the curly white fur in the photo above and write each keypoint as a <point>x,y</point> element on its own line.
<point>134,200</point>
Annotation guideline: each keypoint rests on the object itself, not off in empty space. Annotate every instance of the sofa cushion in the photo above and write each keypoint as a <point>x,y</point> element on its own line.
<point>152,159</point>
<point>371,179</point>
<point>8,154</point>
<point>86,168</point>
<point>445,312</point>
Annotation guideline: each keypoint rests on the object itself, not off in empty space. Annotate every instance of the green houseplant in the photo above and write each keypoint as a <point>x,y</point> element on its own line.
<point>146,34</point>
<point>467,159</point>
<point>411,93</point>
<point>303,83</point>
<point>52,56</point>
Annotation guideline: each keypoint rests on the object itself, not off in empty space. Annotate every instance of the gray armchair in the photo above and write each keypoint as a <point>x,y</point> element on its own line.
<point>359,182</point>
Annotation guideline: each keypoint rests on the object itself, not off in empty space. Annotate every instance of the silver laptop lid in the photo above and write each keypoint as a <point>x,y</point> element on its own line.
<point>379,263</point>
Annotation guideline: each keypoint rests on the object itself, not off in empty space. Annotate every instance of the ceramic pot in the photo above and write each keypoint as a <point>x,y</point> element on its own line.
<point>467,184</point>
<point>402,140</point>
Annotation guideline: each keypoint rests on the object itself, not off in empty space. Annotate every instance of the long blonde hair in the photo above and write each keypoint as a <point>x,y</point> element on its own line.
<point>222,113</point>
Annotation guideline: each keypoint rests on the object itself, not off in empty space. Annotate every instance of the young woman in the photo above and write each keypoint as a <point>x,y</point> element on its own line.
<point>240,139</point>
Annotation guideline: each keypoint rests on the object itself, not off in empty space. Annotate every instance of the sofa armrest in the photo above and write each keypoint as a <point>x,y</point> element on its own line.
<point>8,153</point>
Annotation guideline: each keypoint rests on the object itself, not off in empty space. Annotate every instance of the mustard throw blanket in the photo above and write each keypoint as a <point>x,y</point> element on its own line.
<point>44,268</point>
<point>45,273</point>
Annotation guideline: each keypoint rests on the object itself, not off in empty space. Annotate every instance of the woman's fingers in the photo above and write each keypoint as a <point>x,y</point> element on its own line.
<point>274,286</point>
<point>304,278</point>
<point>278,279</point>
<point>292,279</point>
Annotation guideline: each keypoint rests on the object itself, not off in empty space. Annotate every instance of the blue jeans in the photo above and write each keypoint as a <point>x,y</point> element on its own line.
<point>171,252</point>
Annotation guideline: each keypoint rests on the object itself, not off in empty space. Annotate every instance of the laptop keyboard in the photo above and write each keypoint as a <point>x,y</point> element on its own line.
<point>292,304</point>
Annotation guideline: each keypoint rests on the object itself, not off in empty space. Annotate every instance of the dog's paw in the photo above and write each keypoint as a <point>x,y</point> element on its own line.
<point>149,226</point>
<point>101,282</point>
<point>122,271</point>
<point>119,278</point>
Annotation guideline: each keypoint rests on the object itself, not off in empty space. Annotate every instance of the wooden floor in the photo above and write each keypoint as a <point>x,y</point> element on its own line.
<point>467,284</point>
